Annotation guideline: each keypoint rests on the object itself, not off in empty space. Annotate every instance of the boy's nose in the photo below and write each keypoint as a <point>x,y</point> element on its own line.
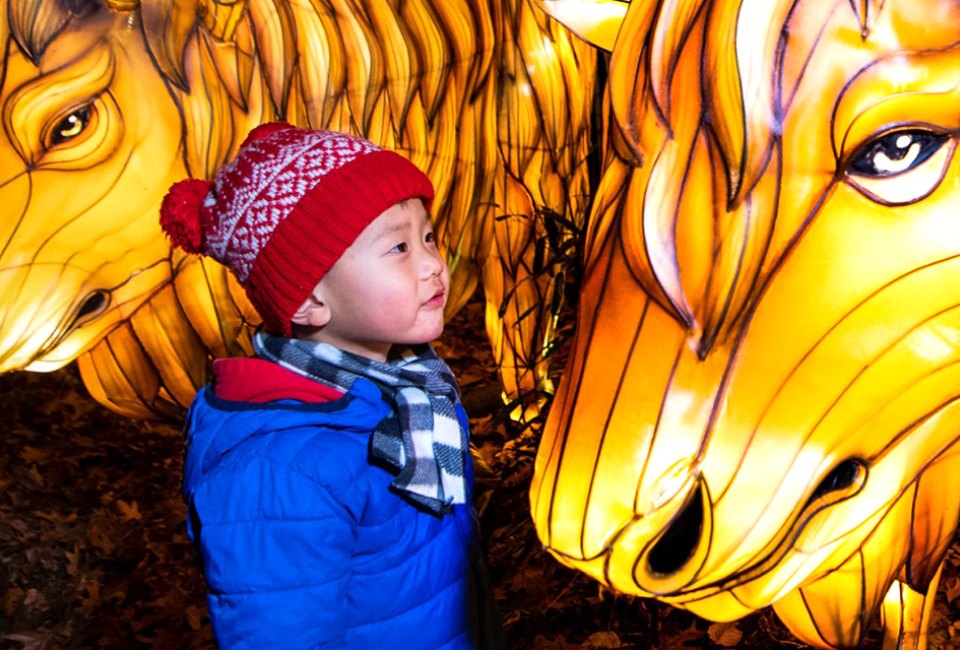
<point>433,263</point>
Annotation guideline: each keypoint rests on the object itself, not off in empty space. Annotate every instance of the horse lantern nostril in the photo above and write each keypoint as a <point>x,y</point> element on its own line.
<point>848,473</point>
<point>676,546</point>
<point>94,305</point>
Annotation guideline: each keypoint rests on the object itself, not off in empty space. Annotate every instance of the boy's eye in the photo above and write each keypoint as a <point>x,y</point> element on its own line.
<point>399,248</point>
<point>431,238</point>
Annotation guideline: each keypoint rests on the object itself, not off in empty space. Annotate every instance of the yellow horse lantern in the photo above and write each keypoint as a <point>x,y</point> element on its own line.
<point>762,402</point>
<point>106,102</point>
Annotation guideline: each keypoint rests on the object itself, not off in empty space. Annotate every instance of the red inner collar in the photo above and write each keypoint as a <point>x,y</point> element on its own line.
<point>257,380</point>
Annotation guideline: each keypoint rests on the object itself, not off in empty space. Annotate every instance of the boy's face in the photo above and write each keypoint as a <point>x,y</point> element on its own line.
<point>389,287</point>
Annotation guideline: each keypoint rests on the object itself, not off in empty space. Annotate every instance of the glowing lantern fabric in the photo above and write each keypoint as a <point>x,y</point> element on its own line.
<point>105,104</point>
<point>762,402</point>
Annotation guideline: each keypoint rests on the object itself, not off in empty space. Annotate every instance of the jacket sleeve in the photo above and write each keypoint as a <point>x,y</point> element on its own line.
<point>276,548</point>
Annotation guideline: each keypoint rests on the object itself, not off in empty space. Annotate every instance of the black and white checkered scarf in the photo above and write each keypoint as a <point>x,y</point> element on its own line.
<point>422,438</point>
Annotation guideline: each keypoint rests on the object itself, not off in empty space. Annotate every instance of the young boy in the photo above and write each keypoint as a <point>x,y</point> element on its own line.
<point>327,479</point>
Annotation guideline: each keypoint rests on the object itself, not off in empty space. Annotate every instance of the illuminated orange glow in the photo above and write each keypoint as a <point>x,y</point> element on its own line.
<point>104,109</point>
<point>762,402</point>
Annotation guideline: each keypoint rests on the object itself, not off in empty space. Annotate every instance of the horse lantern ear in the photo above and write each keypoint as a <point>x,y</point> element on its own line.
<point>595,21</point>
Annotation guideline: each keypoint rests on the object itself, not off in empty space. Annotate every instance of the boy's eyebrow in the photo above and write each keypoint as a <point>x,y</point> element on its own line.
<point>397,226</point>
<point>389,229</point>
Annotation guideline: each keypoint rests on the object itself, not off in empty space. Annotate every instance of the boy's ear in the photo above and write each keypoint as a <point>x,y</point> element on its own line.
<point>314,312</point>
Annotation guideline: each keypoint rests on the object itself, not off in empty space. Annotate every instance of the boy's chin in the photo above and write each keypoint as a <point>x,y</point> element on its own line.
<point>429,335</point>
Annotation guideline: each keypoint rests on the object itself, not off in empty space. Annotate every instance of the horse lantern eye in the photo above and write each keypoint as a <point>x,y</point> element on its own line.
<point>901,166</point>
<point>896,152</point>
<point>71,126</point>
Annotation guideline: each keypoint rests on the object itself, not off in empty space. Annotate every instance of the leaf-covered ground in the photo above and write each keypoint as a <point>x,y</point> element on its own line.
<point>93,552</point>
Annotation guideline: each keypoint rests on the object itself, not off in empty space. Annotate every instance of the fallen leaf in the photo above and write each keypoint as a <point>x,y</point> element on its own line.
<point>194,617</point>
<point>58,517</point>
<point>73,561</point>
<point>11,598</point>
<point>36,476</point>
<point>541,642</point>
<point>952,588</point>
<point>101,539</point>
<point>37,640</point>
<point>34,599</point>
<point>129,511</point>
<point>92,599</point>
<point>32,454</point>
<point>727,635</point>
<point>603,639</point>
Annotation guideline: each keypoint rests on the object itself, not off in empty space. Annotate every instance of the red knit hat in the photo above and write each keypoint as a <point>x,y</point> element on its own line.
<point>286,208</point>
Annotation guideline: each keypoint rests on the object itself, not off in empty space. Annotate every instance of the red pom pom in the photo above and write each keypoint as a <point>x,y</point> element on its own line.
<point>263,130</point>
<point>180,214</point>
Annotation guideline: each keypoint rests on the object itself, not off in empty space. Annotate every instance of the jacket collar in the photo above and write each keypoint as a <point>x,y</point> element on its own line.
<point>258,381</point>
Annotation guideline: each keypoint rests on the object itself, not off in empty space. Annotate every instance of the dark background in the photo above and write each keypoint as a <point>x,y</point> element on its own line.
<point>93,551</point>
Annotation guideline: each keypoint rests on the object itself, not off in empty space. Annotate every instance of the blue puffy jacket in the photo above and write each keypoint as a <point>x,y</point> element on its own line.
<point>304,545</point>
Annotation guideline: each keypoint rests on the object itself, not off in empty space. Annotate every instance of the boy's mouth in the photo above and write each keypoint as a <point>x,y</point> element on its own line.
<point>438,299</point>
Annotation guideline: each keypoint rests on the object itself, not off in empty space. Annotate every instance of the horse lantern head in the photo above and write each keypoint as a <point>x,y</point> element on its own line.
<point>762,401</point>
<point>84,164</point>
